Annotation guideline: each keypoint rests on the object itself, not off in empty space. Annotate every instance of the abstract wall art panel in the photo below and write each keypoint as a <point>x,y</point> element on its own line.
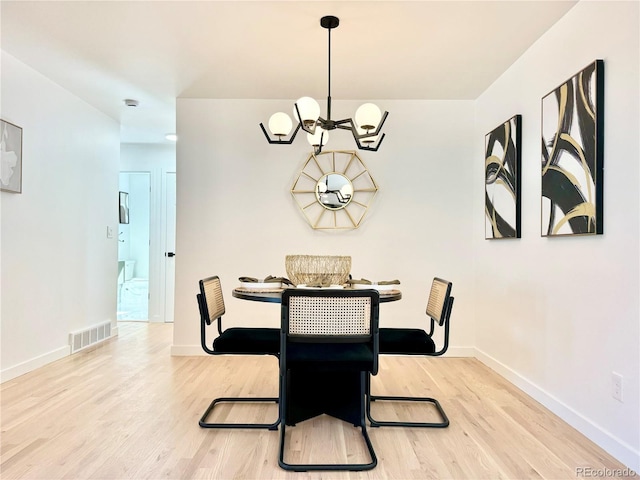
<point>572,155</point>
<point>502,180</point>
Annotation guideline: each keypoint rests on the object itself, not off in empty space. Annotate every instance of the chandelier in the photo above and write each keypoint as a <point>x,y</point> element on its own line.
<point>365,127</point>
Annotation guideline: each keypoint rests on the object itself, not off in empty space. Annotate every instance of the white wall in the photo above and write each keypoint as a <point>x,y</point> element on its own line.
<point>236,215</point>
<point>59,269</point>
<point>157,160</point>
<point>558,315</point>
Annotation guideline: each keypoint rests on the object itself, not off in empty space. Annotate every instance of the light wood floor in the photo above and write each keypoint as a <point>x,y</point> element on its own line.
<point>128,410</point>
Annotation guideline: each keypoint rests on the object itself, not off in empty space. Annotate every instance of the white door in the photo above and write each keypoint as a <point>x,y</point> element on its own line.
<point>170,246</point>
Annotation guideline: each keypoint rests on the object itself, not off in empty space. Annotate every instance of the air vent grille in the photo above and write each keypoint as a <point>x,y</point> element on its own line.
<point>81,339</point>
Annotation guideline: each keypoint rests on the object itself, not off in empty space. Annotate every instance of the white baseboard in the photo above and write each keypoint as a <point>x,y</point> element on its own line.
<point>622,451</point>
<point>26,367</point>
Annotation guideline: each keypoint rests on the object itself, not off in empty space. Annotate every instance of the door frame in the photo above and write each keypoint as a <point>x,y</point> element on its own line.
<point>157,159</point>
<point>163,243</point>
<point>149,226</point>
<point>157,241</point>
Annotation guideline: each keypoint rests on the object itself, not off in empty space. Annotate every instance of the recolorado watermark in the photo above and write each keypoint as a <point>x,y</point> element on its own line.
<point>591,472</point>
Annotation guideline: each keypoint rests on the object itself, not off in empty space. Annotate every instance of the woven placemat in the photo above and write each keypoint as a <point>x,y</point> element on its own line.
<point>386,293</point>
<point>383,293</point>
<point>258,290</point>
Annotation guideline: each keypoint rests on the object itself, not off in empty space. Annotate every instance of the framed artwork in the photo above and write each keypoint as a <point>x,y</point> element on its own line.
<point>502,158</point>
<point>124,207</point>
<point>10,157</point>
<point>572,155</point>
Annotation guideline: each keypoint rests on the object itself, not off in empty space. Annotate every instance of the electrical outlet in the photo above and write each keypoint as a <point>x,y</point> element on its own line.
<point>616,385</point>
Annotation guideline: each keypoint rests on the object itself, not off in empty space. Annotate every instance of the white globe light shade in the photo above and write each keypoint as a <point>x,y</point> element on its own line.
<point>309,111</point>
<point>314,140</point>
<point>280,124</point>
<point>368,116</point>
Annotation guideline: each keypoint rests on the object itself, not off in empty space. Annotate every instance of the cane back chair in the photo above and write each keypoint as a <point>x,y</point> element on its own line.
<point>235,340</point>
<point>328,349</point>
<point>412,341</point>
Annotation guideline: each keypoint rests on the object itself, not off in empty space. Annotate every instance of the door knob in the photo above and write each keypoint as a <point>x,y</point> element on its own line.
<point>170,254</point>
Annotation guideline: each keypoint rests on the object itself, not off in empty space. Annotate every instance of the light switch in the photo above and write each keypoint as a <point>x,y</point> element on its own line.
<point>109,232</point>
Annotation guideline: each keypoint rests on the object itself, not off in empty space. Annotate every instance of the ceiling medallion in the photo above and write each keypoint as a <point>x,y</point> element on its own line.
<point>334,190</point>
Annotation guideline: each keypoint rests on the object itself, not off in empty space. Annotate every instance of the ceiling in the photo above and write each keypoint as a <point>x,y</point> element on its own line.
<point>157,51</point>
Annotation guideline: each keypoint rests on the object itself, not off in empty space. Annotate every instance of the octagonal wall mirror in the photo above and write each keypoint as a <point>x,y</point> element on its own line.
<point>334,189</point>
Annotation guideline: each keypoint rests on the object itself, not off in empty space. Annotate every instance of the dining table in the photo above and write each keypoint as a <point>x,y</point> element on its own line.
<point>274,295</point>
<point>338,394</point>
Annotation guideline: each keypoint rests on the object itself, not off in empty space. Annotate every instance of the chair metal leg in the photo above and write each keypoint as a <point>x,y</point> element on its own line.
<point>382,423</point>
<point>269,426</point>
<point>354,467</point>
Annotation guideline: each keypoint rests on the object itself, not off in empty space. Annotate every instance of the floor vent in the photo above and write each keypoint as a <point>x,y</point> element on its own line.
<point>82,339</point>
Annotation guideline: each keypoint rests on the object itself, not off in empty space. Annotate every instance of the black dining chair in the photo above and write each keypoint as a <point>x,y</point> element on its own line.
<point>237,341</point>
<point>413,341</point>
<point>329,347</point>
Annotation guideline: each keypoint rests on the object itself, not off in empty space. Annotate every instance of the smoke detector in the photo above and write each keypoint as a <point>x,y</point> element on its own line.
<point>129,102</point>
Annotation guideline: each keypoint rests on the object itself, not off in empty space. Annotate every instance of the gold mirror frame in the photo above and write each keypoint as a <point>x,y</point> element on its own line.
<point>340,162</point>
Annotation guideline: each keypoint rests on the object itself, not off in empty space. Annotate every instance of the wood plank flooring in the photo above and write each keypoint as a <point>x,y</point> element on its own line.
<point>128,410</point>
